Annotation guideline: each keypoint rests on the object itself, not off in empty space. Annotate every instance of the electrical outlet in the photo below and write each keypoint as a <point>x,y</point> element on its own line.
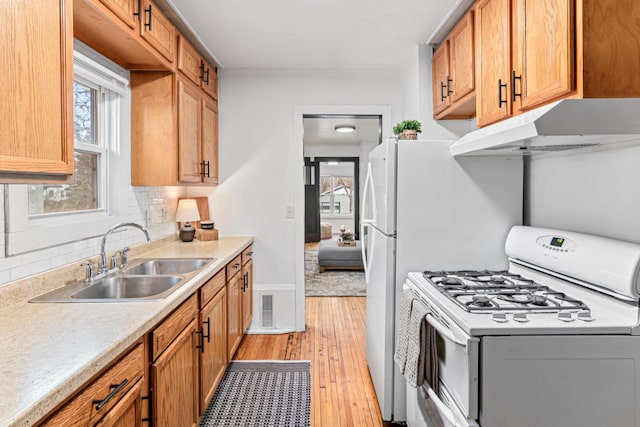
<point>290,212</point>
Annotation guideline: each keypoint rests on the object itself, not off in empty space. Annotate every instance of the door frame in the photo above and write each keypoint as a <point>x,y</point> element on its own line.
<point>356,179</point>
<point>299,111</point>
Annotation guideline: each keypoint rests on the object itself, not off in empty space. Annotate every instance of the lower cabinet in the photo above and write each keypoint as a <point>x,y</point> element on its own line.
<point>174,373</point>
<point>128,412</point>
<point>247,295</point>
<point>235,288</point>
<point>213,356</point>
<point>168,377</point>
<point>108,398</point>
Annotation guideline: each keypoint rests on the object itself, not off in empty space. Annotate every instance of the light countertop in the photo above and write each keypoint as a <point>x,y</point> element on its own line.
<point>50,350</point>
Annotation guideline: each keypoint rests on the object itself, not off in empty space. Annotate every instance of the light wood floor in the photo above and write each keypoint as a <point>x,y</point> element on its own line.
<point>342,393</point>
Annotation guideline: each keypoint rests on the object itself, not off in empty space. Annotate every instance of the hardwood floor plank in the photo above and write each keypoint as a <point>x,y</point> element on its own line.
<point>342,393</point>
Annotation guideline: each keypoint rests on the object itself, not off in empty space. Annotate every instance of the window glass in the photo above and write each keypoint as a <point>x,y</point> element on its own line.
<point>83,193</point>
<point>336,194</point>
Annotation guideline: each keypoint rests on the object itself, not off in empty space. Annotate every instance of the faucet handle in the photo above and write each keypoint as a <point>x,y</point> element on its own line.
<point>123,256</point>
<point>90,272</point>
<point>114,260</point>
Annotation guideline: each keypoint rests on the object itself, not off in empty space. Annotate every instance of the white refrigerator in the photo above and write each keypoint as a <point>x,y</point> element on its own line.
<point>422,209</point>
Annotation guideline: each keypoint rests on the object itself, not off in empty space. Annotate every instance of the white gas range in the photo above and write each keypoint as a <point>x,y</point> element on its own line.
<point>550,342</point>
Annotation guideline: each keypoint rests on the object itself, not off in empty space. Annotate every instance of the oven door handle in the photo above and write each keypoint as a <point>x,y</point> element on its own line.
<point>444,331</point>
<point>443,409</point>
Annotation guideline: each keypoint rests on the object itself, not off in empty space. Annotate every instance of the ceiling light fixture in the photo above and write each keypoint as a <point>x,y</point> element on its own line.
<point>345,128</point>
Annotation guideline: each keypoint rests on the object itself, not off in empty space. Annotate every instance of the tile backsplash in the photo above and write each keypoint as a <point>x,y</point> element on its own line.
<point>152,207</point>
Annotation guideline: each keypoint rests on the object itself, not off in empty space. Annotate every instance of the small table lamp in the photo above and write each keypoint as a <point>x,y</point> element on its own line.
<point>187,211</point>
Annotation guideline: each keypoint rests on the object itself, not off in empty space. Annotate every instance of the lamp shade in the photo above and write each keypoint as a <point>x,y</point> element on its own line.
<point>187,211</point>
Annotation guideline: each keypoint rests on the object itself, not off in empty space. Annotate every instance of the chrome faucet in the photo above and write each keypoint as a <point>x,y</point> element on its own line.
<point>103,255</point>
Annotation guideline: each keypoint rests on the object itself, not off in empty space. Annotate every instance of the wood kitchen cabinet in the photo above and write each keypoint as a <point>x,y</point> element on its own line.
<point>174,131</point>
<point>235,286</point>
<point>109,399</point>
<point>196,68</point>
<point>213,355</point>
<point>36,128</point>
<point>454,72</point>
<point>532,52</point>
<point>127,413</point>
<point>175,369</point>
<point>247,295</point>
<point>133,33</point>
<point>493,66</point>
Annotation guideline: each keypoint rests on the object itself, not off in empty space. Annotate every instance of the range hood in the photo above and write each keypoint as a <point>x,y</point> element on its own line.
<point>563,125</point>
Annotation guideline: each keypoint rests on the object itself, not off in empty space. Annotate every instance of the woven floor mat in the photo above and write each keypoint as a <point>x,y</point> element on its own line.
<point>265,393</point>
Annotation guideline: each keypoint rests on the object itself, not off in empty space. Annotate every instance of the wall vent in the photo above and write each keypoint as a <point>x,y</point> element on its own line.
<point>267,311</point>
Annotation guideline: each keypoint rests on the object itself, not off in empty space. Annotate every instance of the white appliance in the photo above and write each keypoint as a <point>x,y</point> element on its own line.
<point>550,342</point>
<point>559,126</point>
<point>421,208</point>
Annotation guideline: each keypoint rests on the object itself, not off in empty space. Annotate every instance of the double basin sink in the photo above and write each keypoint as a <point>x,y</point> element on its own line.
<point>143,280</point>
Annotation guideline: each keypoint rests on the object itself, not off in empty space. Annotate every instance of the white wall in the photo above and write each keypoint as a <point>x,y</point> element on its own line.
<point>592,192</point>
<point>261,168</point>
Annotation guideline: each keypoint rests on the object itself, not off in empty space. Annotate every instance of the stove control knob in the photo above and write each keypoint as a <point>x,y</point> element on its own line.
<point>585,316</point>
<point>500,317</point>
<point>520,317</point>
<point>566,316</point>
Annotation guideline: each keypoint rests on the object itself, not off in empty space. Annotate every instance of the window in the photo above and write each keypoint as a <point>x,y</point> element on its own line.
<point>88,205</point>
<point>89,105</point>
<point>336,195</point>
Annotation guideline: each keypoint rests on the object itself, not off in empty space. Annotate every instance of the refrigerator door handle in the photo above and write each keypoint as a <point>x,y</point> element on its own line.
<point>367,252</point>
<point>368,190</point>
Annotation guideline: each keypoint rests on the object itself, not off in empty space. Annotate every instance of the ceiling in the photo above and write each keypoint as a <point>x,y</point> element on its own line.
<point>321,130</point>
<point>312,33</point>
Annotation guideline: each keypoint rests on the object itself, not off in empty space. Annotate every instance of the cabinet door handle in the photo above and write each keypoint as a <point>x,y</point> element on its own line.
<point>150,12</point>
<point>245,282</point>
<point>138,14</point>
<point>500,100</point>
<point>449,91</point>
<point>207,169</point>
<point>203,168</point>
<point>207,79</point>
<point>236,265</point>
<point>115,388</point>
<point>201,345</point>
<point>513,85</point>
<point>201,70</point>
<point>149,419</point>
<point>442,95</point>
<point>208,335</point>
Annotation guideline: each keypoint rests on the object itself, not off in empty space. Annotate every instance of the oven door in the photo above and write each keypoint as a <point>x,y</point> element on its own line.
<point>426,409</point>
<point>458,357</point>
<point>458,363</point>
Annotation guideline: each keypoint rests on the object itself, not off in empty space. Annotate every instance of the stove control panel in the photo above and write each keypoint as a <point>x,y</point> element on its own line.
<point>556,243</point>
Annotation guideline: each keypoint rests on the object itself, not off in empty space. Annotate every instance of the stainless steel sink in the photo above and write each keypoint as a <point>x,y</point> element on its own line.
<point>129,287</point>
<point>155,267</point>
<point>143,280</point>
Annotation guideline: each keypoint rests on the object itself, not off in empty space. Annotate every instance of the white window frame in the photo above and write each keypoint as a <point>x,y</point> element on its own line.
<point>333,213</point>
<point>26,233</point>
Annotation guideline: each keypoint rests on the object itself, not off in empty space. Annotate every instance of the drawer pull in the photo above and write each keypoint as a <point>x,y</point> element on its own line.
<point>208,335</point>
<point>115,389</point>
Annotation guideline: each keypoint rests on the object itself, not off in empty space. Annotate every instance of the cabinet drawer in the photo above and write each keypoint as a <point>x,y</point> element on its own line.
<point>209,289</point>
<point>103,392</point>
<point>247,255</point>
<point>234,266</point>
<point>169,329</point>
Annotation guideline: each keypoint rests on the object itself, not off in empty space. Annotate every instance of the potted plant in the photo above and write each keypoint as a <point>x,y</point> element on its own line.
<point>347,238</point>
<point>408,129</point>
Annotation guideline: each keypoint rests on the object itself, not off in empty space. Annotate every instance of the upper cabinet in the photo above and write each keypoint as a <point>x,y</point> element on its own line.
<point>196,68</point>
<point>532,52</point>
<point>453,72</point>
<point>36,129</point>
<point>133,33</point>
<point>493,66</point>
<point>174,138</point>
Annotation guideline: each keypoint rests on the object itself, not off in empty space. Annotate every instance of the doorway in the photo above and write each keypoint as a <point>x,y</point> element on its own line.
<point>332,197</point>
